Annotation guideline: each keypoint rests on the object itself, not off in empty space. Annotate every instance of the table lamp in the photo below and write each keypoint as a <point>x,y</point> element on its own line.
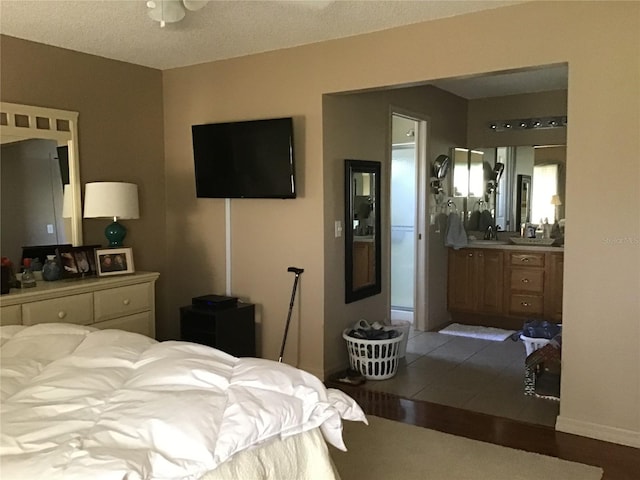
<point>556,202</point>
<point>112,200</point>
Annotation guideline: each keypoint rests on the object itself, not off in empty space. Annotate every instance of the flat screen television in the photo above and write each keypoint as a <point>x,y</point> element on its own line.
<point>246,159</point>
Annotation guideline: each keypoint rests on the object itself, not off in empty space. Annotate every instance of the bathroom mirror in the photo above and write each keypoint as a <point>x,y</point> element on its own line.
<point>363,273</point>
<point>500,179</point>
<point>35,142</point>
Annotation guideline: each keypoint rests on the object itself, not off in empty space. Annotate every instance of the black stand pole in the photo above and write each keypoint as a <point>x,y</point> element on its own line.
<point>297,271</point>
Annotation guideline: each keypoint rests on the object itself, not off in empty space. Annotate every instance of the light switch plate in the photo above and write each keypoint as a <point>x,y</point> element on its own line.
<point>338,227</point>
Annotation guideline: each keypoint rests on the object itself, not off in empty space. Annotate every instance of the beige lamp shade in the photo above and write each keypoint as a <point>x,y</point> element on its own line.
<point>555,200</point>
<point>111,200</point>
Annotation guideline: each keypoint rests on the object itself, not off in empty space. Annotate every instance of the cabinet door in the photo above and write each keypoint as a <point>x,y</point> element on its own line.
<point>363,265</point>
<point>489,280</point>
<point>460,293</point>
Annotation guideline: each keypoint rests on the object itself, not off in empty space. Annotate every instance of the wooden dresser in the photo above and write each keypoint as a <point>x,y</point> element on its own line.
<point>124,302</point>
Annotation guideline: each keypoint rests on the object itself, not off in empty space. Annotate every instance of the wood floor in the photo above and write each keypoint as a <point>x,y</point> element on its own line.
<point>619,462</point>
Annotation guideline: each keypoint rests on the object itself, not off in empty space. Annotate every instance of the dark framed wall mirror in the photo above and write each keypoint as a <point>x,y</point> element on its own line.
<point>363,275</point>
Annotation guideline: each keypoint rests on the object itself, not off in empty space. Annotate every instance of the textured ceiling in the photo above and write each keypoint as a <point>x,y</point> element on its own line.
<point>122,30</point>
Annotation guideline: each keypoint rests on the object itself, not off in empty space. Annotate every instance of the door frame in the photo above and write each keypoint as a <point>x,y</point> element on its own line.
<point>421,234</point>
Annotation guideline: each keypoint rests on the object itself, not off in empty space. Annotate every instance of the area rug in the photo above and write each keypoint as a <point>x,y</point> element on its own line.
<point>474,331</point>
<point>387,450</point>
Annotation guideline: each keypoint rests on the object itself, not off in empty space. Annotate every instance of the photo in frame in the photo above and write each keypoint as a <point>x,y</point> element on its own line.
<point>114,261</point>
<point>77,262</point>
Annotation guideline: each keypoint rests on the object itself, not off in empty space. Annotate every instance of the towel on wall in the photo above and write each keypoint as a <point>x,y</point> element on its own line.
<point>474,220</point>
<point>456,235</point>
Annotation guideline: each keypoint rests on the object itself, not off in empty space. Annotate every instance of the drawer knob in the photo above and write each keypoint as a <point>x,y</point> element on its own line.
<point>62,314</point>
<point>126,301</point>
<point>469,254</point>
<point>524,259</point>
<point>525,280</point>
<point>525,304</point>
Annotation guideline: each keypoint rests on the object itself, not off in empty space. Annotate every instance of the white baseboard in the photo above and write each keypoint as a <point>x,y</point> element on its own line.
<point>404,315</point>
<point>599,432</point>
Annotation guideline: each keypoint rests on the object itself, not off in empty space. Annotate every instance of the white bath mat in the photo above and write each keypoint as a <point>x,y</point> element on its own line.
<point>474,331</point>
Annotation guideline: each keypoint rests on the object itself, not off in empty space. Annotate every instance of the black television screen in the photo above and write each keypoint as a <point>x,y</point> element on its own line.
<point>248,159</point>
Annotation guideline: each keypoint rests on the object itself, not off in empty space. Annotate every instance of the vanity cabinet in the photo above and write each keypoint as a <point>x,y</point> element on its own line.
<point>502,286</point>
<point>123,302</point>
<point>476,280</point>
<point>526,281</point>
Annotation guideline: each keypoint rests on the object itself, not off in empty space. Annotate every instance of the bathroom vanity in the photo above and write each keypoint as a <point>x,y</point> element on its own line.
<point>500,285</point>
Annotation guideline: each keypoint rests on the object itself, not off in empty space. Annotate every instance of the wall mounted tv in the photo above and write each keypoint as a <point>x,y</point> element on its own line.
<point>247,159</point>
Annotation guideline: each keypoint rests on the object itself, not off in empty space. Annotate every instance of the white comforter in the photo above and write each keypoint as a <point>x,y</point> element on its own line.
<point>79,403</point>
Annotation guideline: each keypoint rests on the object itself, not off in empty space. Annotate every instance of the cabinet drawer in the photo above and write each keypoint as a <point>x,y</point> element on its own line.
<point>76,309</point>
<point>138,323</point>
<point>526,259</point>
<point>527,280</point>
<point>11,315</point>
<point>118,302</point>
<point>526,304</point>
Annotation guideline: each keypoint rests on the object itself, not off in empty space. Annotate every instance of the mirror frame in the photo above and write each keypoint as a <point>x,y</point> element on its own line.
<point>352,167</point>
<point>25,122</point>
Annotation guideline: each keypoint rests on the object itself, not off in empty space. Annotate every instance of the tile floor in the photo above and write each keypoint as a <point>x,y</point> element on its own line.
<point>478,375</point>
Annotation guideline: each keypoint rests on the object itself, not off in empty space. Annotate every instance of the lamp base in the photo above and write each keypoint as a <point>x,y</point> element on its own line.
<point>115,233</point>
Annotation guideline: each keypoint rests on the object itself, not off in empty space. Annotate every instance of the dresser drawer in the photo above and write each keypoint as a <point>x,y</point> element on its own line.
<point>11,315</point>
<point>527,280</point>
<point>138,323</point>
<point>76,309</point>
<point>526,305</point>
<point>117,302</point>
<point>526,259</point>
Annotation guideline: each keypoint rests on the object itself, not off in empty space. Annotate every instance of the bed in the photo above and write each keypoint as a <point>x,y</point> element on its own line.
<point>81,403</point>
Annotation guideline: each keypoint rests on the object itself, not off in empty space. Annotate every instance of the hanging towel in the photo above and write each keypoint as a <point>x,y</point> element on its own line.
<point>474,220</point>
<point>456,235</point>
<point>486,220</point>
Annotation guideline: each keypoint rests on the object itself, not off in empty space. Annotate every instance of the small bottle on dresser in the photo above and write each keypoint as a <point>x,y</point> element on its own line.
<point>28,279</point>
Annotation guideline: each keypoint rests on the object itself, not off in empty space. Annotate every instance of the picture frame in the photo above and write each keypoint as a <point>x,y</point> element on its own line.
<point>114,261</point>
<point>76,262</point>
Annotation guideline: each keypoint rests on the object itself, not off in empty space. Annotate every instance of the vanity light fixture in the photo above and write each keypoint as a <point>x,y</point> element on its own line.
<point>528,123</point>
<point>112,200</point>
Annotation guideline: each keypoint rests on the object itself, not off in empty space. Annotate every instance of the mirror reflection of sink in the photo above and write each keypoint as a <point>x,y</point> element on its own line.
<point>488,242</point>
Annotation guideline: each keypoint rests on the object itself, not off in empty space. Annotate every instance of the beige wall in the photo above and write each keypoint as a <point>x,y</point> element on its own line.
<point>358,126</point>
<point>600,42</point>
<point>483,111</point>
<point>119,130</point>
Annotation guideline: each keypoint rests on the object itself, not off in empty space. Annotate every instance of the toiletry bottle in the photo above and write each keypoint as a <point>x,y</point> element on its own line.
<point>28,278</point>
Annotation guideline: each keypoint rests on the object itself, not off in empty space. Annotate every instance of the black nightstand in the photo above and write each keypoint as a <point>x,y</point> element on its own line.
<point>231,330</point>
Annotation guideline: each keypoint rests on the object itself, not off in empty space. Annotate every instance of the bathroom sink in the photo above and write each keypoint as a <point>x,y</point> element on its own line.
<point>488,242</point>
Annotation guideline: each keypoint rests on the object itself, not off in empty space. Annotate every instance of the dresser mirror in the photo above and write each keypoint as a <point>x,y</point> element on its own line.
<point>40,176</point>
<point>362,229</point>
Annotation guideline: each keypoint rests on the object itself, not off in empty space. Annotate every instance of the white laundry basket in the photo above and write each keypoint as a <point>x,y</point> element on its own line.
<point>405,327</point>
<point>375,359</point>
<point>532,344</point>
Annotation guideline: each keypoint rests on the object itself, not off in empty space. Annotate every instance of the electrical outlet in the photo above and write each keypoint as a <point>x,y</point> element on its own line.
<point>49,228</point>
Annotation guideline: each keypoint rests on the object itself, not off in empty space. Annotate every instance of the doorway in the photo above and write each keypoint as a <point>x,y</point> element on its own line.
<point>408,141</point>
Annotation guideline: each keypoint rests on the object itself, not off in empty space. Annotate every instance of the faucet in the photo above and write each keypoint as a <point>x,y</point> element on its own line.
<point>491,233</point>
